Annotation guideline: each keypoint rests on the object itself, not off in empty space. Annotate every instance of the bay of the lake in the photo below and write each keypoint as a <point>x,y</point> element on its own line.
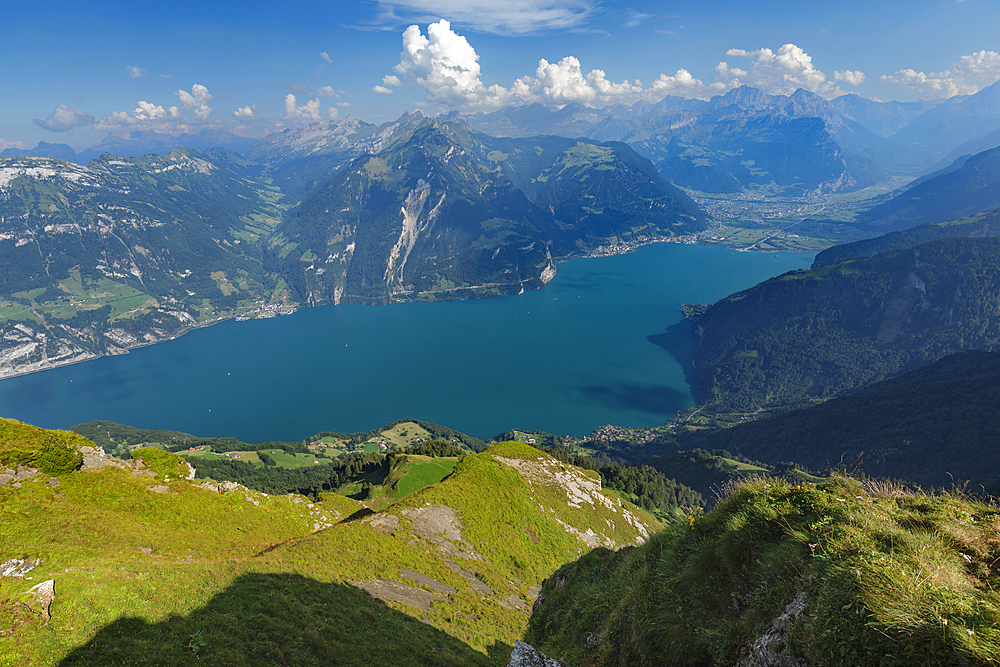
<point>564,359</point>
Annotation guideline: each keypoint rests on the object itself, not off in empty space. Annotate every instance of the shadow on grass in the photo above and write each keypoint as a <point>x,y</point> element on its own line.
<point>282,619</point>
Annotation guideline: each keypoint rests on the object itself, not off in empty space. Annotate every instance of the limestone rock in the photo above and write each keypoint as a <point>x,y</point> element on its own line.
<point>388,590</point>
<point>525,655</point>
<point>771,649</point>
<point>18,567</point>
<point>42,596</point>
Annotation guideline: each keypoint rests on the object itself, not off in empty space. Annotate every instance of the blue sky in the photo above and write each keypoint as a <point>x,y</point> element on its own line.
<point>72,72</point>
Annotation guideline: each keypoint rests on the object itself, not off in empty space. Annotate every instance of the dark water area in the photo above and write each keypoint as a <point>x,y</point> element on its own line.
<point>603,343</point>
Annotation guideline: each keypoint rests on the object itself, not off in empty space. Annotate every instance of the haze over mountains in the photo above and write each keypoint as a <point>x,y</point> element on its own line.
<point>744,138</point>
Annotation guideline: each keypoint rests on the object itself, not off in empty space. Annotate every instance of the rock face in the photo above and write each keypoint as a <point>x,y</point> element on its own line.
<point>770,649</point>
<point>18,567</point>
<point>525,655</point>
<point>42,596</point>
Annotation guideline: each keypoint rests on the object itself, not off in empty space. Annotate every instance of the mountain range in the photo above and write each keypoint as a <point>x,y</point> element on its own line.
<point>129,251</point>
<point>743,139</point>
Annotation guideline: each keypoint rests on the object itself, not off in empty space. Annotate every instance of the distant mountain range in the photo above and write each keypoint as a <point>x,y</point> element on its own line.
<point>743,139</point>
<point>129,251</point>
<point>747,137</point>
<point>137,144</point>
<point>969,186</point>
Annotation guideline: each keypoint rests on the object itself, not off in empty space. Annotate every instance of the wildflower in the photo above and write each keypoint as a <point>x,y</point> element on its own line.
<point>944,621</point>
<point>968,558</point>
<point>813,545</point>
<point>970,631</point>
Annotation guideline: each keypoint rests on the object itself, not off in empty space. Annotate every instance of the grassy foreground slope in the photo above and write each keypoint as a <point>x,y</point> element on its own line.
<point>150,569</point>
<point>858,574</point>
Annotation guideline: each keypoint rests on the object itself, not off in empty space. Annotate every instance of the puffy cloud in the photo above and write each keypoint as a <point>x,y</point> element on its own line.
<point>135,72</point>
<point>982,67</point>
<point>332,113</point>
<point>246,113</point>
<point>148,111</point>
<point>786,70</point>
<point>724,72</point>
<point>966,77</point>
<point>683,84</point>
<point>154,117</point>
<point>559,83</point>
<point>329,91</point>
<point>326,56</point>
<point>4,144</point>
<point>564,81</point>
<point>853,77</point>
<point>197,99</point>
<point>65,118</point>
<point>505,18</point>
<point>382,90</point>
<point>447,66</point>
<point>308,111</point>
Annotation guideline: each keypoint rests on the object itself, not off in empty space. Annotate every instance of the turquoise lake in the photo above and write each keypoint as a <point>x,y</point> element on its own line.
<point>564,359</point>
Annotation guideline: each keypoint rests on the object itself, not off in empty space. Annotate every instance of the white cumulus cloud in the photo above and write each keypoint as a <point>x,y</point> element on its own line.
<point>853,77</point>
<point>65,118</point>
<point>11,144</point>
<point>391,80</point>
<point>294,111</point>
<point>135,72</point>
<point>447,66</point>
<point>197,99</point>
<point>683,84</point>
<point>382,90</point>
<point>784,71</point>
<point>329,91</point>
<point>966,77</point>
<point>246,113</point>
<point>148,111</point>
<point>509,17</point>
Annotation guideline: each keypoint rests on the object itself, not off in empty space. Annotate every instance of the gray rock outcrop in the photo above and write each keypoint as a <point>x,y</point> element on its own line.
<point>526,655</point>
<point>771,648</point>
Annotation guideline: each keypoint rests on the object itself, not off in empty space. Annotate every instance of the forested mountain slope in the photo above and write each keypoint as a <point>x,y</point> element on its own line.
<point>935,426</point>
<point>822,332</point>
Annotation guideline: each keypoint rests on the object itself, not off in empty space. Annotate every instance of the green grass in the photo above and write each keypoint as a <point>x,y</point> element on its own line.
<point>891,578</point>
<point>53,452</point>
<point>421,471</point>
<point>144,576</point>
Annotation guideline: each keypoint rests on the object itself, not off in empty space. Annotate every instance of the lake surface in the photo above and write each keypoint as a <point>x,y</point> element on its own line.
<point>564,359</point>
